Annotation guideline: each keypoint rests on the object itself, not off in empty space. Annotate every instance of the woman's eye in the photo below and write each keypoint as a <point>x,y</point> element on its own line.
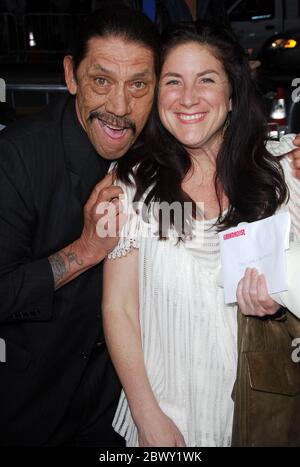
<point>207,80</point>
<point>173,82</point>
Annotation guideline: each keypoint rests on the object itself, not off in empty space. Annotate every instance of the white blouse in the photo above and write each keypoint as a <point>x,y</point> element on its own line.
<point>189,335</point>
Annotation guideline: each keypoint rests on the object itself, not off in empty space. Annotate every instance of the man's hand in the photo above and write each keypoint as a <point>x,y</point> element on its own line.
<point>103,220</point>
<point>295,156</point>
<point>253,297</point>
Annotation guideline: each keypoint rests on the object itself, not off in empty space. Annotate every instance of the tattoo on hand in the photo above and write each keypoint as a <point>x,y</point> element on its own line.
<point>61,264</point>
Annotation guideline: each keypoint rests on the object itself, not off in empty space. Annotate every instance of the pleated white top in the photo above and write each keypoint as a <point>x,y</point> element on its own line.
<point>189,335</point>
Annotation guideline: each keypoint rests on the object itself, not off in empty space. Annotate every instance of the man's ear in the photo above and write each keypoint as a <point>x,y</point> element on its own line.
<point>69,74</point>
<point>230,104</point>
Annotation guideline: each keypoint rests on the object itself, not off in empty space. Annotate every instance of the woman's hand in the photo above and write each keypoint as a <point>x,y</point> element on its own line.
<point>253,297</point>
<point>159,431</point>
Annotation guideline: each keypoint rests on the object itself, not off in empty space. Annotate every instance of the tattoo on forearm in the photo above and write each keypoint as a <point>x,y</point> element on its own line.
<point>61,264</point>
<point>58,266</point>
<point>72,258</point>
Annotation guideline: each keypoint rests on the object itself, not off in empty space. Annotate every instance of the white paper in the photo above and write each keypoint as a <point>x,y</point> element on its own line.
<point>259,245</point>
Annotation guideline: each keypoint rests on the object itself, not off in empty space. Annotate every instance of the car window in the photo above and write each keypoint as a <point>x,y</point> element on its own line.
<point>251,10</point>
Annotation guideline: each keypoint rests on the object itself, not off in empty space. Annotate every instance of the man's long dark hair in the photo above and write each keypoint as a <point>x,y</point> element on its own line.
<point>249,175</point>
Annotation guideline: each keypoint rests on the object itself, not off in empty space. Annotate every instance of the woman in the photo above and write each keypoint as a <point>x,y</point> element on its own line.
<point>171,338</point>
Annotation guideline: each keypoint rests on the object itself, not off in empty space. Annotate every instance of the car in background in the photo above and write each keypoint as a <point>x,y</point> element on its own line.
<point>255,21</point>
<point>270,31</point>
<point>282,51</point>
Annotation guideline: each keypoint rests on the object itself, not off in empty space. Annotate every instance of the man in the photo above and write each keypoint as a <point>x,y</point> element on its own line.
<point>57,386</point>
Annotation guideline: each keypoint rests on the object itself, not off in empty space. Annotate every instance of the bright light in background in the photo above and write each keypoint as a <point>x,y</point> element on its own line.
<point>278,111</point>
<point>290,44</point>
<point>32,42</point>
<point>284,43</point>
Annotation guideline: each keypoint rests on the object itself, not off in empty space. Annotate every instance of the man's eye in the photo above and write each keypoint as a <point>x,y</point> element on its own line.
<point>101,81</point>
<point>139,85</point>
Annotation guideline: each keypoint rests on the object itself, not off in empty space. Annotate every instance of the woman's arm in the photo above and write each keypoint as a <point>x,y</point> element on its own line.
<point>123,338</point>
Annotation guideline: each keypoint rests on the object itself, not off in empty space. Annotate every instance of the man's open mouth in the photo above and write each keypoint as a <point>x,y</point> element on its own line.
<point>112,131</point>
<point>113,126</point>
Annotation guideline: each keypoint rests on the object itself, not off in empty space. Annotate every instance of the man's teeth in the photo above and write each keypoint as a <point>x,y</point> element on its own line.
<point>115,129</point>
<point>191,117</point>
<point>112,127</point>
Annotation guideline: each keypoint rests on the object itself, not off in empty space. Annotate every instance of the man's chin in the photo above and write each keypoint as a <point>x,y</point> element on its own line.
<point>111,153</point>
<point>111,148</point>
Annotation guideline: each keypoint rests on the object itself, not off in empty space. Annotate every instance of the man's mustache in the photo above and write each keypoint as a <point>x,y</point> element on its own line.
<point>113,120</point>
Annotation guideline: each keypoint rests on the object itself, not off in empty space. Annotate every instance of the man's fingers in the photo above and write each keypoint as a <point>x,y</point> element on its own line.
<point>114,206</point>
<point>106,182</point>
<point>114,175</point>
<point>109,193</point>
<point>122,219</point>
<point>110,225</point>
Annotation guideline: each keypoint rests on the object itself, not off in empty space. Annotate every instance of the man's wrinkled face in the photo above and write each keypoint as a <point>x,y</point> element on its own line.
<point>114,86</point>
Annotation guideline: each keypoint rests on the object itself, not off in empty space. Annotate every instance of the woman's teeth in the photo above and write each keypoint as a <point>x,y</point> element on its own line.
<point>191,117</point>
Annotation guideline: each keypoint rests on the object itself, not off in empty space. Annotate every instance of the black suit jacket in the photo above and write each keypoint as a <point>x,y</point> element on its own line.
<point>48,169</point>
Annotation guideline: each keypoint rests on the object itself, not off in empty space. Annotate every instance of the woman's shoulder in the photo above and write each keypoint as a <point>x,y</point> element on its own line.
<point>281,149</point>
